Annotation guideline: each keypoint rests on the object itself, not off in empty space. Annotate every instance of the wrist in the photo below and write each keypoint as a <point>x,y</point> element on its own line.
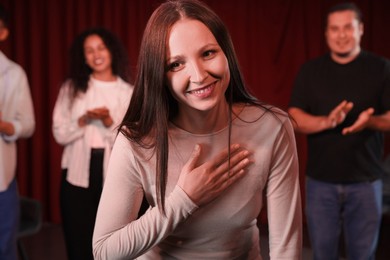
<point>327,123</point>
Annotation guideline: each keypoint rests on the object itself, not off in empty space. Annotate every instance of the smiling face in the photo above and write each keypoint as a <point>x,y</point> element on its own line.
<point>97,55</point>
<point>197,69</point>
<point>343,34</point>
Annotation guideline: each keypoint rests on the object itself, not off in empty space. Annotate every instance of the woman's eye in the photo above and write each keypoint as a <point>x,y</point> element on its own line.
<point>208,53</point>
<point>174,66</point>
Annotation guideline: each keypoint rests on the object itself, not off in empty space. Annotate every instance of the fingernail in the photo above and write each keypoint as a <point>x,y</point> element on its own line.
<point>236,146</point>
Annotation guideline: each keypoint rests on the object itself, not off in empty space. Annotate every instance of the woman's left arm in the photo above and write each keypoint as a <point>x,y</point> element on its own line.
<point>283,197</point>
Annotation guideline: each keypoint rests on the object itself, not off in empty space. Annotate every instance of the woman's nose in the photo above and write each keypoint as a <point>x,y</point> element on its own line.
<point>197,73</point>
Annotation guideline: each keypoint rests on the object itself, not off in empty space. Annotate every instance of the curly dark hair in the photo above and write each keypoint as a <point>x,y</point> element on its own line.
<point>79,71</point>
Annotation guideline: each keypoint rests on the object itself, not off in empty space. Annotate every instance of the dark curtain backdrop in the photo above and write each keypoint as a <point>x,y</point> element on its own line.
<point>272,40</point>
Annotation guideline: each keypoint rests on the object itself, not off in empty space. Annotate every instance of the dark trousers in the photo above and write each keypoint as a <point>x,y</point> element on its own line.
<point>78,209</point>
<point>9,222</point>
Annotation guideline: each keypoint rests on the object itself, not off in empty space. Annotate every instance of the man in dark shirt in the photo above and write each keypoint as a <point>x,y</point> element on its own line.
<point>342,102</point>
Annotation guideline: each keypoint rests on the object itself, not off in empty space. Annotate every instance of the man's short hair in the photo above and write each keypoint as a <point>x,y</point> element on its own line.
<point>346,6</point>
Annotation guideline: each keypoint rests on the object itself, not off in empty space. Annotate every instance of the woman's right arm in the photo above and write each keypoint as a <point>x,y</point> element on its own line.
<point>65,126</point>
<point>118,234</point>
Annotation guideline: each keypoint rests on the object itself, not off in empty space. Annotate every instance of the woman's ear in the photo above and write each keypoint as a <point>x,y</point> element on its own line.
<point>4,32</point>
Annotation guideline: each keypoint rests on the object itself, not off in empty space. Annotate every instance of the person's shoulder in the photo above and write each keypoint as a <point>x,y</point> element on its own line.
<point>375,61</point>
<point>67,87</point>
<point>315,63</point>
<point>374,57</point>
<point>141,149</point>
<point>321,58</point>
<point>67,83</point>
<point>125,84</point>
<point>253,113</point>
<point>11,66</point>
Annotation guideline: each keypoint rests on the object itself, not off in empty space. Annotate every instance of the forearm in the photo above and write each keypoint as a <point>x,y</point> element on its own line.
<point>308,124</point>
<point>125,236</point>
<point>380,122</point>
<point>135,238</point>
<point>67,133</point>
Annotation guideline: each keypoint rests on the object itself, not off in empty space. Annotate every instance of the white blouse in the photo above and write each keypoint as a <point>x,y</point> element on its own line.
<point>78,141</point>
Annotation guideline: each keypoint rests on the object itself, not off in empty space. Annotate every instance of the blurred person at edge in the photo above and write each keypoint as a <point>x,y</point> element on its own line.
<point>16,121</point>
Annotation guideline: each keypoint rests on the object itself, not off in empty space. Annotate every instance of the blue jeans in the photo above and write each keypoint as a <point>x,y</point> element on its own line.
<point>9,222</point>
<point>357,208</point>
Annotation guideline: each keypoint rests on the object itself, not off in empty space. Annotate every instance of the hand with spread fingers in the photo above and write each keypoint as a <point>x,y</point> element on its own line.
<point>207,181</point>
<point>339,113</point>
<point>360,123</point>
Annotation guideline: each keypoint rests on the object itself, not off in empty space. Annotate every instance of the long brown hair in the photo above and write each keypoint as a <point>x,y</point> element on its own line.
<point>152,105</point>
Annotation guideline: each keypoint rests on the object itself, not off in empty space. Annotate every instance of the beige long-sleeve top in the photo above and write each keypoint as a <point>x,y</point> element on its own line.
<point>224,229</point>
<point>78,141</point>
<point>16,107</point>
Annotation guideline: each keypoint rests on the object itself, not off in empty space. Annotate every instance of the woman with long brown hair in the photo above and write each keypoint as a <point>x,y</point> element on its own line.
<point>201,149</point>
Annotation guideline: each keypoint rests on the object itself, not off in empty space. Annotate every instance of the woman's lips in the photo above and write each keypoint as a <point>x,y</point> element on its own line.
<point>203,92</point>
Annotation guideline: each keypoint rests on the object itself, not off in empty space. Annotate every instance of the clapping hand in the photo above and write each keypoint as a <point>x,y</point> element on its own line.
<point>338,114</point>
<point>360,123</point>
<point>100,113</point>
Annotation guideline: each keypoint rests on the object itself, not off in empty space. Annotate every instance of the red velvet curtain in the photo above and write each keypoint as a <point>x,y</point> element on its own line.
<point>272,40</point>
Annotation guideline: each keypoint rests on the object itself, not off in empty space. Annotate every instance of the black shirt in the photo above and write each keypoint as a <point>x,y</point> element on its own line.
<point>320,86</point>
